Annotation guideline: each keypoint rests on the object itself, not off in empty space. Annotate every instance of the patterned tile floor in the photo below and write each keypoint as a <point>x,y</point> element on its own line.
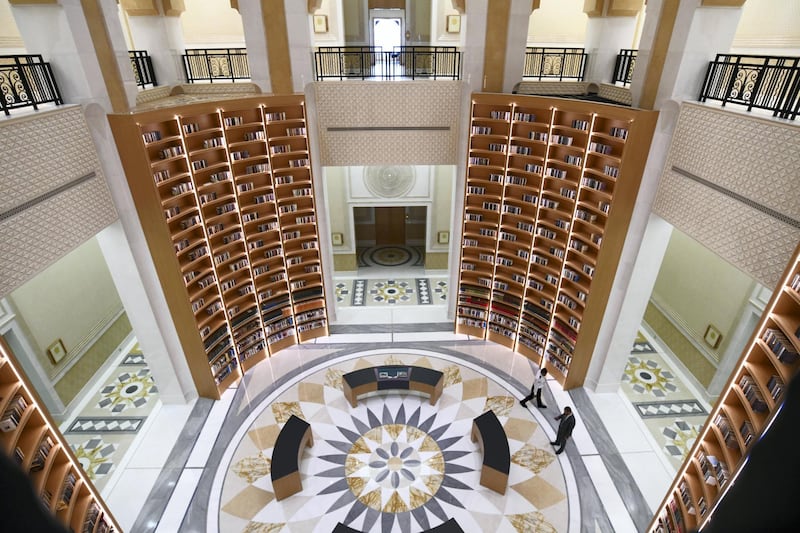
<point>102,432</point>
<point>394,463</point>
<point>390,291</point>
<point>665,403</point>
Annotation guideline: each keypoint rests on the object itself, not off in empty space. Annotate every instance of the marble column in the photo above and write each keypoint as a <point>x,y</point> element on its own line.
<point>678,40</point>
<point>83,41</point>
<point>505,40</point>
<point>607,31</point>
<point>157,30</point>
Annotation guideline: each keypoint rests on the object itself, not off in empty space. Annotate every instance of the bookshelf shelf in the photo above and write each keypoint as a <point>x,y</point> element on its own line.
<point>235,191</point>
<point>31,438</point>
<point>536,213</point>
<point>747,404</point>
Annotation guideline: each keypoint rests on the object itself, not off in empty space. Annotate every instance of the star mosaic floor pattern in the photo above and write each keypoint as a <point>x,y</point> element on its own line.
<point>103,431</point>
<point>667,406</point>
<point>394,463</point>
<point>391,292</point>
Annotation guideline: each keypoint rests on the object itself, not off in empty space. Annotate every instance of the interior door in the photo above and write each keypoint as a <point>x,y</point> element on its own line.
<point>390,225</point>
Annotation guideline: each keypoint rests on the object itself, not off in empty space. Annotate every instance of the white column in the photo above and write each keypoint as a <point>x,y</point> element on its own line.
<point>605,37</point>
<point>473,25</point>
<point>516,42</point>
<point>256,42</point>
<point>162,38</point>
<point>170,374</point>
<point>699,32</point>
<point>131,266</point>
<point>60,34</point>
<point>299,28</point>
<point>698,35</point>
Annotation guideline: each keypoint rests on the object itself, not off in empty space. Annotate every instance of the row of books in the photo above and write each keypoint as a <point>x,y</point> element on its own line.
<point>753,395</point>
<point>780,346</point>
<point>13,413</point>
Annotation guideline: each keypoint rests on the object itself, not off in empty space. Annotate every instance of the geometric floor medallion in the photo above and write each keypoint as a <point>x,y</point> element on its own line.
<point>393,463</point>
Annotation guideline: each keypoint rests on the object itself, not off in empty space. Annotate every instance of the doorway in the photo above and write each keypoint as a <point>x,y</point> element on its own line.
<point>390,236</point>
<point>386,33</point>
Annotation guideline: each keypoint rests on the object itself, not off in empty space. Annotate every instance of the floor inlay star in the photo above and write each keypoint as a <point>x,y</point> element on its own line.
<point>394,463</point>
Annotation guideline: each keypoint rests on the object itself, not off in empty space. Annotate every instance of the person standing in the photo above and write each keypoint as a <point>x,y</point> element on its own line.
<point>536,390</point>
<point>565,426</point>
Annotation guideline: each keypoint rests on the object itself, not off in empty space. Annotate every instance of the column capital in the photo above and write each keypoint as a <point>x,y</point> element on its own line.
<point>235,5</point>
<point>173,8</point>
<point>722,3</point>
<point>313,5</point>
<point>140,8</point>
<point>614,8</point>
<point>151,8</point>
<point>460,5</point>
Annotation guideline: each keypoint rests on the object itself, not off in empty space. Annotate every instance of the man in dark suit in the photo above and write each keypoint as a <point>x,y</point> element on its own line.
<point>565,426</point>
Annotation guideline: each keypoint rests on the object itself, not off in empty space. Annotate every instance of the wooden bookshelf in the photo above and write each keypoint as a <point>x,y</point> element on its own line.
<point>550,188</point>
<point>742,413</point>
<point>225,196</point>
<point>30,437</point>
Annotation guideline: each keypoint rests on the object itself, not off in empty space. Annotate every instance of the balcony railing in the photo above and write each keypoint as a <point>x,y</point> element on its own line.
<point>762,82</point>
<point>216,64</point>
<point>403,62</point>
<point>554,63</point>
<point>26,81</point>
<point>623,68</point>
<point>142,66</point>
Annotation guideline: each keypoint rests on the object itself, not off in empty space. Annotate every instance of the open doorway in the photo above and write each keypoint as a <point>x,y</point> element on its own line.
<point>386,28</point>
<point>390,236</point>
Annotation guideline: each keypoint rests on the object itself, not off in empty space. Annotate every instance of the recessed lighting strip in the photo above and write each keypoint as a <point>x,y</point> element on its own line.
<point>46,196</point>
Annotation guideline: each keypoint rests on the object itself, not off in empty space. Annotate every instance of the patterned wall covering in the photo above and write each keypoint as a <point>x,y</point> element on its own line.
<point>41,153</point>
<point>747,164</point>
<point>410,123</point>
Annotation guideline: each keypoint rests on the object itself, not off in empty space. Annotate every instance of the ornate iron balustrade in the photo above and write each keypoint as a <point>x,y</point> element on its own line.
<point>763,82</point>
<point>216,64</point>
<point>623,68</point>
<point>142,66</point>
<point>371,62</point>
<point>341,62</point>
<point>555,63</point>
<point>26,81</point>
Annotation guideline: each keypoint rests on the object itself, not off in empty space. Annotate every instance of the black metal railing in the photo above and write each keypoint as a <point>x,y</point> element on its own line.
<point>764,82</point>
<point>142,66</point>
<point>26,81</point>
<point>403,62</point>
<point>623,68</point>
<point>216,64</point>
<point>555,63</point>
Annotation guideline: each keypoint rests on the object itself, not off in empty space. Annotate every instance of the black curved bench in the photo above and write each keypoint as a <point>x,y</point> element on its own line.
<point>490,435</point>
<point>393,377</point>
<point>295,435</point>
<point>451,526</point>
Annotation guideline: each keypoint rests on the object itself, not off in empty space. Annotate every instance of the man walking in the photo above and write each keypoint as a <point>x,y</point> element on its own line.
<point>565,426</point>
<point>536,390</point>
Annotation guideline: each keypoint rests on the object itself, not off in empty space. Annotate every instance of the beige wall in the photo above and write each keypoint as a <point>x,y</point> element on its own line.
<point>73,300</point>
<point>335,34</point>
<point>439,34</point>
<point>769,24</point>
<point>211,23</point>
<point>355,21</point>
<point>336,196</point>
<point>558,23</point>
<point>440,215</point>
<point>9,35</point>
<point>696,288</point>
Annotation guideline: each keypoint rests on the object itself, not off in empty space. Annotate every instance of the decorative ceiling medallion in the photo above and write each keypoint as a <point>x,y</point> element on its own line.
<point>389,181</point>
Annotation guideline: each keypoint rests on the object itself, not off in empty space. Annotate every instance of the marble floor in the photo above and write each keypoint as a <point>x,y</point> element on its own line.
<point>191,469</point>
